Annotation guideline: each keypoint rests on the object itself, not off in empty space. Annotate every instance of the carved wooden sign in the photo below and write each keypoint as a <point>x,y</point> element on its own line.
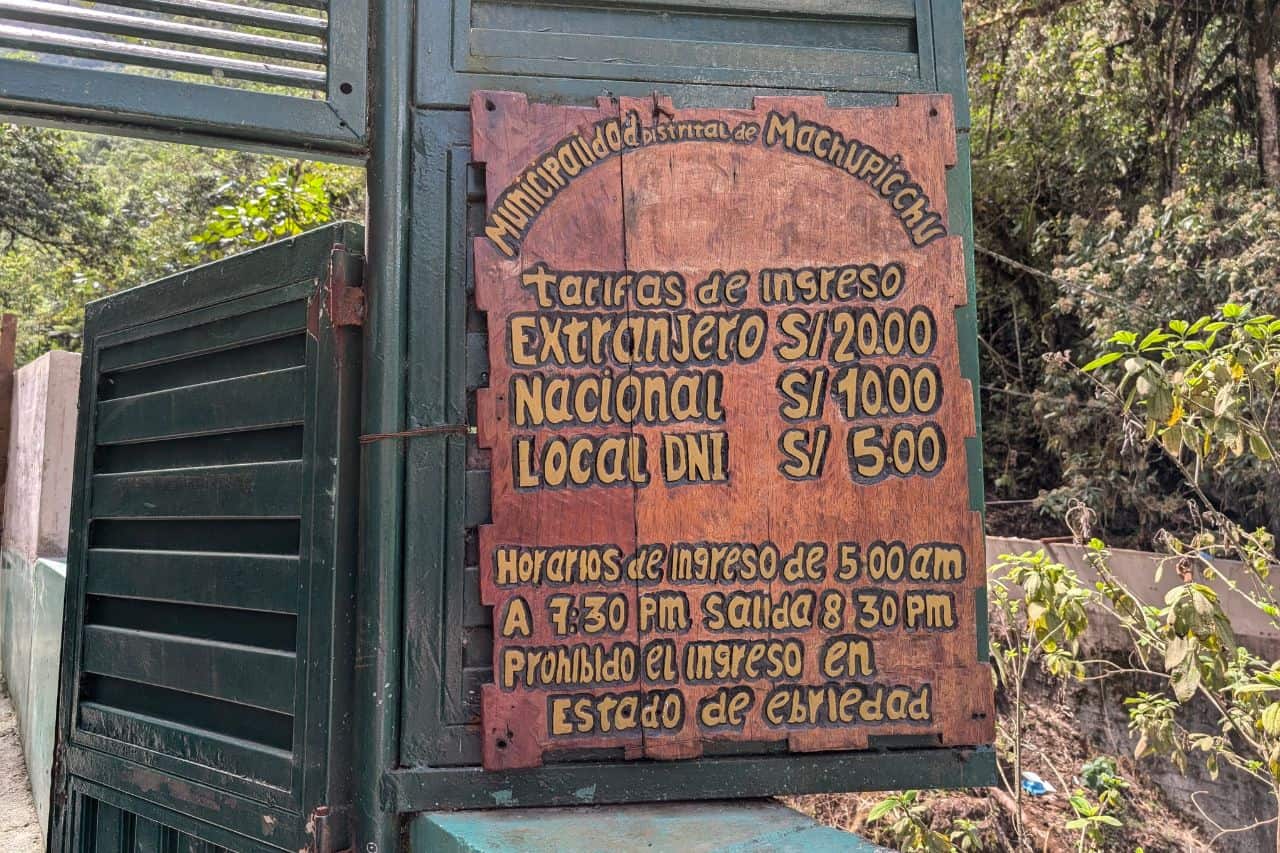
<point>727,429</point>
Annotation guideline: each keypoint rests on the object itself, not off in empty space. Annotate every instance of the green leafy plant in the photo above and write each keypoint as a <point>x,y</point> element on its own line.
<point>290,198</point>
<point>966,836</point>
<point>1205,394</point>
<point>1039,617</point>
<point>1091,821</point>
<point>1100,776</point>
<point>907,820</point>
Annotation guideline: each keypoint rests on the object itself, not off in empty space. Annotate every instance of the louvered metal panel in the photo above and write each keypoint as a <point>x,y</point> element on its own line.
<point>289,73</point>
<point>106,821</point>
<point>559,48</point>
<point>210,547</point>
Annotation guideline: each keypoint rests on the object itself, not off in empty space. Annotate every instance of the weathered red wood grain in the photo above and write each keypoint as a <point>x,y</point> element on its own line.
<point>508,132</point>
<point>697,207</point>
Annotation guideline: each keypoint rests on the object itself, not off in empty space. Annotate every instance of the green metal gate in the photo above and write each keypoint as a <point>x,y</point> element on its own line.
<point>207,651</point>
<point>250,75</point>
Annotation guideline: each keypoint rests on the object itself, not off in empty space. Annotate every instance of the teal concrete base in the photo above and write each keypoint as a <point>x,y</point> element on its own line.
<point>722,827</point>
<point>30,644</point>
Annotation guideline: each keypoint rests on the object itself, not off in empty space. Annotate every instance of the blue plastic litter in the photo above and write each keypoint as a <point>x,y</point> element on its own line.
<point>1034,785</point>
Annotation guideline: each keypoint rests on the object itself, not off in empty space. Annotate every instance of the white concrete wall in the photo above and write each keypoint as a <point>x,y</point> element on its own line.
<point>33,542</point>
<point>1138,571</point>
<point>42,442</point>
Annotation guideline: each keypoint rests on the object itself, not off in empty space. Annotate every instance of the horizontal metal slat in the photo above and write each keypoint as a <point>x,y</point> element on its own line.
<point>279,444</point>
<point>244,758</point>
<point>45,41</point>
<point>260,357</point>
<point>238,330</point>
<point>674,56</point>
<point>251,490</point>
<point>159,29</point>
<point>214,10</point>
<point>246,402</point>
<point>223,536</point>
<point>243,581</point>
<point>871,9</point>
<point>699,29</point>
<point>245,675</point>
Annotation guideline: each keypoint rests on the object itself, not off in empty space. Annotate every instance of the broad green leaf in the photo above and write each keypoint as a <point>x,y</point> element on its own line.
<point>881,809</point>
<point>1103,360</point>
<point>1176,652</point>
<point>1271,719</point>
<point>1124,338</point>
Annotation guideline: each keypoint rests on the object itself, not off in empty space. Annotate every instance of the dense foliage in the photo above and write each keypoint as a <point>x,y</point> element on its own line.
<point>83,216</point>
<point>1125,170</point>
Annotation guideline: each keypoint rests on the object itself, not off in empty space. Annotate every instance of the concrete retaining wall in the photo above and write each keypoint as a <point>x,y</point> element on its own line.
<point>32,595</point>
<point>1138,571</point>
<point>1231,800</point>
<point>33,546</point>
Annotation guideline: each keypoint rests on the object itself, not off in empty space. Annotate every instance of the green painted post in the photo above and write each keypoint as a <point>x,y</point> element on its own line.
<point>379,589</point>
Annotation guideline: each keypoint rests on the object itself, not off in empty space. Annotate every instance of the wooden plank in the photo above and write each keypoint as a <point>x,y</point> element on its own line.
<point>257,489</point>
<point>243,581</point>
<point>249,402</point>
<point>525,519</point>
<point>245,675</point>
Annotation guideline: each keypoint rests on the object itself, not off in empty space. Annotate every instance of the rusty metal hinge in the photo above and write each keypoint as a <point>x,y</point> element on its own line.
<point>320,828</point>
<point>345,291</point>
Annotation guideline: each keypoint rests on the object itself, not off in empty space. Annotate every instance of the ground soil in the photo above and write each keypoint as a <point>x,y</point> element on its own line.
<point>19,828</point>
<point>1055,750</point>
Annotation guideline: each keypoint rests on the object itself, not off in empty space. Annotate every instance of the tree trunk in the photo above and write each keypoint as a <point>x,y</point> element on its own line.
<point>1260,32</point>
